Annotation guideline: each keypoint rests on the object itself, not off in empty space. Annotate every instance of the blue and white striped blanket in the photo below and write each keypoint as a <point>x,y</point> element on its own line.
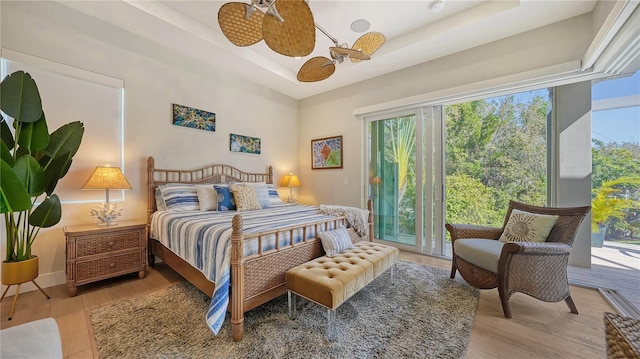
<point>204,240</point>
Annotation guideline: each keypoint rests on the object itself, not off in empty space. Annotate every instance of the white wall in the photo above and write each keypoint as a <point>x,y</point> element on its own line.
<point>573,121</point>
<point>154,78</point>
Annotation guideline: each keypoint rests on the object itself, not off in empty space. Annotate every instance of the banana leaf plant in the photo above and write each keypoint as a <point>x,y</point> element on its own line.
<point>32,163</point>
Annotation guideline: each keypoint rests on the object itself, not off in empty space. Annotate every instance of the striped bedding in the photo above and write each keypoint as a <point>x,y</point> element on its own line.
<point>204,240</point>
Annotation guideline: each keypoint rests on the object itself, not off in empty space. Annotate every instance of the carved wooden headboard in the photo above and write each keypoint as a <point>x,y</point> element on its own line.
<point>214,173</point>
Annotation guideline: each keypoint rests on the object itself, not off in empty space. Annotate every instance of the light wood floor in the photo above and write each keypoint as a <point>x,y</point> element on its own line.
<point>537,330</point>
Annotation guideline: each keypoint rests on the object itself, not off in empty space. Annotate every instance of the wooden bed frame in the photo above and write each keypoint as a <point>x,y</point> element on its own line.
<point>255,279</point>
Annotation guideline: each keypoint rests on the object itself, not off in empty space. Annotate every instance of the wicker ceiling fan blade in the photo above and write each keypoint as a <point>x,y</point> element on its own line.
<point>237,27</point>
<point>316,69</point>
<point>296,35</point>
<point>368,44</point>
<point>353,54</point>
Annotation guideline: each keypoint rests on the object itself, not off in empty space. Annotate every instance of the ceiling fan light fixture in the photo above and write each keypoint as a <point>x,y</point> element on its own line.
<point>360,25</point>
<point>437,5</point>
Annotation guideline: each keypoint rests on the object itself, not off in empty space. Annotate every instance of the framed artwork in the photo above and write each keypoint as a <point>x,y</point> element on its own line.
<point>326,153</point>
<point>193,118</point>
<point>246,144</point>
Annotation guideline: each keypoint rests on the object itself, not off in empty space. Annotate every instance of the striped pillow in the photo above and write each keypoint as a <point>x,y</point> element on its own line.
<point>274,197</point>
<point>335,241</point>
<point>180,197</point>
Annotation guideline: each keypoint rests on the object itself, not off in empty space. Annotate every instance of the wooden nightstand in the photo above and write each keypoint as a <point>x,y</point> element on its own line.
<point>95,253</point>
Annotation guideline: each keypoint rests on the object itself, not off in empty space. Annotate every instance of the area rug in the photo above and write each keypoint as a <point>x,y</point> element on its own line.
<point>422,313</point>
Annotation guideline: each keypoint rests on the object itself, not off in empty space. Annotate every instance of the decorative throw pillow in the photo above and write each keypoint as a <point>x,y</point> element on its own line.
<point>261,191</point>
<point>226,202</point>
<point>274,197</point>
<point>208,197</point>
<point>335,241</point>
<point>180,197</point>
<point>527,227</point>
<point>246,198</point>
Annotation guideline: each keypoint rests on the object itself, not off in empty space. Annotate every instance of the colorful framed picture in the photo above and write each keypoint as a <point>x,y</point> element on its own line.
<point>246,144</point>
<point>326,153</point>
<point>193,118</point>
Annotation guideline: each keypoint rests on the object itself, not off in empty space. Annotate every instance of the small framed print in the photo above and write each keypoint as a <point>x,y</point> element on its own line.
<point>326,153</point>
<point>246,144</point>
<point>193,118</point>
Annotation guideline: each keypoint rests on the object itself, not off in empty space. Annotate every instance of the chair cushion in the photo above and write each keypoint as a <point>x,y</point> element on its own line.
<point>527,227</point>
<point>481,252</point>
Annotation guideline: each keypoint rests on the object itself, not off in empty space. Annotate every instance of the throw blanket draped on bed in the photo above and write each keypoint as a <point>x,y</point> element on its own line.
<point>356,217</point>
<point>204,240</point>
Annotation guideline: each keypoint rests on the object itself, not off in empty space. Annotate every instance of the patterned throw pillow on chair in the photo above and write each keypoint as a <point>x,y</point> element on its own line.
<point>527,227</point>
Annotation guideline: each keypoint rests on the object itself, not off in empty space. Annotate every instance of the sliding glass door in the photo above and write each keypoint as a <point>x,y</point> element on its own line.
<point>403,176</point>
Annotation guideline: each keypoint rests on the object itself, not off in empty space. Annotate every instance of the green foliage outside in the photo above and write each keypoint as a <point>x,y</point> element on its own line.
<point>616,188</point>
<point>495,152</point>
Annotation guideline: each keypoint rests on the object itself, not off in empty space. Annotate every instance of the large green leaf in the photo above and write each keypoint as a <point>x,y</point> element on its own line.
<point>13,196</point>
<point>19,97</point>
<point>31,175</point>
<point>34,136</point>
<point>47,214</point>
<point>55,171</point>
<point>6,134</point>
<point>5,154</point>
<point>65,139</point>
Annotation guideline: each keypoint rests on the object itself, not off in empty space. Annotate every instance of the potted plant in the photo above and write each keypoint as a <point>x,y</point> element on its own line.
<point>32,162</point>
<point>607,205</point>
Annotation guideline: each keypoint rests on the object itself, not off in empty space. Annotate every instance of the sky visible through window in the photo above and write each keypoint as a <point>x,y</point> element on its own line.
<point>617,125</point>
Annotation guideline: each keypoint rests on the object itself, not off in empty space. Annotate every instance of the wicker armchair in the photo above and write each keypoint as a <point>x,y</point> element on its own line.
<point>534,268</point>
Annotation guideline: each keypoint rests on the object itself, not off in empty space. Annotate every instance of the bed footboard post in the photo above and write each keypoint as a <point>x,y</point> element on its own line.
<point>151,207</point>
<point>237,280</point>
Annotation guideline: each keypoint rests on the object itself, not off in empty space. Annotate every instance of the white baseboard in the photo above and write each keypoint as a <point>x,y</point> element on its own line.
<point>44,281</point>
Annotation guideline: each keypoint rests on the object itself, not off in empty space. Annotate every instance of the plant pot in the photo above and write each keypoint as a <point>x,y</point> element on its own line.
<point>20,272</point>
<point>597,238</point>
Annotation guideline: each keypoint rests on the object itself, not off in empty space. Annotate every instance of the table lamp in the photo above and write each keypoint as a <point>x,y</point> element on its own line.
<point>105,177</point>
<point>290,181</point>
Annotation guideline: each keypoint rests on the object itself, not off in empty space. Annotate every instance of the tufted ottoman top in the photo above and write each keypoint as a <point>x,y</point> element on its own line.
<point>329,281</point>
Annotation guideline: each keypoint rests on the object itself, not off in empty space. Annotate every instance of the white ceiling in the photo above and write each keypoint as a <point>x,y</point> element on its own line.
<point>415,34</point>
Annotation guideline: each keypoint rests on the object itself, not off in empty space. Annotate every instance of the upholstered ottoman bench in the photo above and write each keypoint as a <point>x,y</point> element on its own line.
<point>330,280</point>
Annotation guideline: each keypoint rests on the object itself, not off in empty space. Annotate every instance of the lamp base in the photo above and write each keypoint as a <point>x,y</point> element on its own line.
<point>292,199</point>
<point>106,213</point>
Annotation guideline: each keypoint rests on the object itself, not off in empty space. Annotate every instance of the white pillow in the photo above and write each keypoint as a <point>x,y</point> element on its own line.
<point>335,241</point>
<point>207,197</point>
<point>527,227</point>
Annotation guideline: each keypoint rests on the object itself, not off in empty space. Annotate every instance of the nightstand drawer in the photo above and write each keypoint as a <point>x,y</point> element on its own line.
<point>106,267</point>
<point>96,244</point>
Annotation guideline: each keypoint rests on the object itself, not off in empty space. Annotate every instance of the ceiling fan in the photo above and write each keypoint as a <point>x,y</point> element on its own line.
<point>288,29</point>
<point>320,68</point>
